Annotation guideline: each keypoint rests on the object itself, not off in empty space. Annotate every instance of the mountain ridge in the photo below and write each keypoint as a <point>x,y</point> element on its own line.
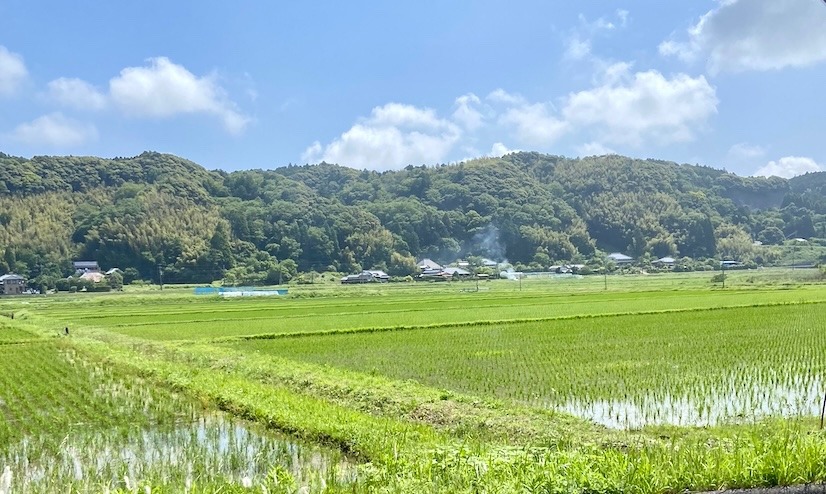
<point>158,209</point>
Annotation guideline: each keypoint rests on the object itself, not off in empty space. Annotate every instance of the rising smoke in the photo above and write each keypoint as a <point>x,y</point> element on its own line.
<point>486,243</point>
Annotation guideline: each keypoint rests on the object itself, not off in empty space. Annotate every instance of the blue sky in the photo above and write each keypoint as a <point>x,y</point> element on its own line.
<point>734,84</point>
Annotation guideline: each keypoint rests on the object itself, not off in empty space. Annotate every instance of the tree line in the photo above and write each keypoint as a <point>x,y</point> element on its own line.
<point>161,215</point>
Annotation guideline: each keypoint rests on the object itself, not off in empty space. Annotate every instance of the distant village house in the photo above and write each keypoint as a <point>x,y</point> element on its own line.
<point>12,284</point>
<point>366,276</point>
<point>432,271</point>
<point>92,272</point>
<point>81,267</point>
<point>428,265</point>
<point>620,259</point>
<point>457,273</point>
<point>665,262</point>
<point>93,276</point>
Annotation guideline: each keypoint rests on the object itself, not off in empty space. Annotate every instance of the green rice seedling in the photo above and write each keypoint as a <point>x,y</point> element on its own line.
<point>205,321</point>
<point>420,408</point>
<point>76,423</point>
<point>686,368</point>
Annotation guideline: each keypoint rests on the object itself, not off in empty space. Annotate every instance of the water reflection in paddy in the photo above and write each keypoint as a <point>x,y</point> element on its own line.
<point>734,401</point>
<point>215,449</point>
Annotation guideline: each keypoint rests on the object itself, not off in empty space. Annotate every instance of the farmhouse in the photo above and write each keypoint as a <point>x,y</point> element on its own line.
<point>93,276</point>
<point>457,273</point>
<point>426,264</point>
<point>433,275</point>
<point>12,284</point>
<point>665,262</point>
<point>620,259</point>
<point>379,275</point>
<point>86,267</point>
<point>489,263</point>
<point>367,276</point>
<point>363,277</point>
<point>560,269</point>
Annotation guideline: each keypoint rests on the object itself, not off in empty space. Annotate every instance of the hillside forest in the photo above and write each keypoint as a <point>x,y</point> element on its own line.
<point>157,215</point>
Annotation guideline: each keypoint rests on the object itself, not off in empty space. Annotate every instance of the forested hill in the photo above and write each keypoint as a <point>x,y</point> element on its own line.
<point>157,210</point>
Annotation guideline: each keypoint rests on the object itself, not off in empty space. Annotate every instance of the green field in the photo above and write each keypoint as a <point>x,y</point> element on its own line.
<point>692,367</point>
<point>237,317</point>
<point>658,384</point>
<point>69,422</point>
<point>12,335</point>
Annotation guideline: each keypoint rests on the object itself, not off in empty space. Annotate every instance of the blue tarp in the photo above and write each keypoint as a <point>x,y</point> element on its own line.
<point>238,290</point>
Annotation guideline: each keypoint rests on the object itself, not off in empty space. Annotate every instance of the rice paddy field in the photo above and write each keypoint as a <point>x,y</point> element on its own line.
<point>698,368</point>
<point>71,423</point>
<point>649,384</point>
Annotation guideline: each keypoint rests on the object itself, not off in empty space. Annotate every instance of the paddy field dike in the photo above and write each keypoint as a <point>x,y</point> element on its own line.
<point>644,384</point>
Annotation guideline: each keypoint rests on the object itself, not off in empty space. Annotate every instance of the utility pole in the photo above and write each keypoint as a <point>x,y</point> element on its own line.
<point>723,269</point>
<point>605,278</point>
<point>794,253</point>
<point>160,275</point>
<point>797,242</point>
<point>794,247</point>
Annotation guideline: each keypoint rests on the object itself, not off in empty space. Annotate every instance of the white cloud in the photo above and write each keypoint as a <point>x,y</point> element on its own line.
<point>467,113</point>
<point>501,96</point>
<point>601,24</point>
<point>788,167</point>
<point>687,52</point>
<point>534,124</point>
<point>611,73</point>
<point>743,151</point>
<point>594,149</point>
<point>577,48</point>
<point>406,116</point>
<point>642,107</point>
<point>76,93</point>
<point>623,16</point>
<point>531,123</point>
<point>12,71</point>
<point>740,35</point>
<point>622,108</point>
<point>312,153</point>
<point>164,89</point>
<point>55,130</point>
<point>393,136</point>
<point>579,40</point>
<point>498,150</point>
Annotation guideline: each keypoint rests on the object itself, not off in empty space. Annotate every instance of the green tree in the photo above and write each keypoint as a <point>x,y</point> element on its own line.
<point>401,265</point>
<point>771,236</point>
<point>130,275</point>
<point>115,281</point>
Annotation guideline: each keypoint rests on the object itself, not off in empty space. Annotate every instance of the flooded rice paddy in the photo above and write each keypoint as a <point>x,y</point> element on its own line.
<point>75,425</point>
<point>729,404</point>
